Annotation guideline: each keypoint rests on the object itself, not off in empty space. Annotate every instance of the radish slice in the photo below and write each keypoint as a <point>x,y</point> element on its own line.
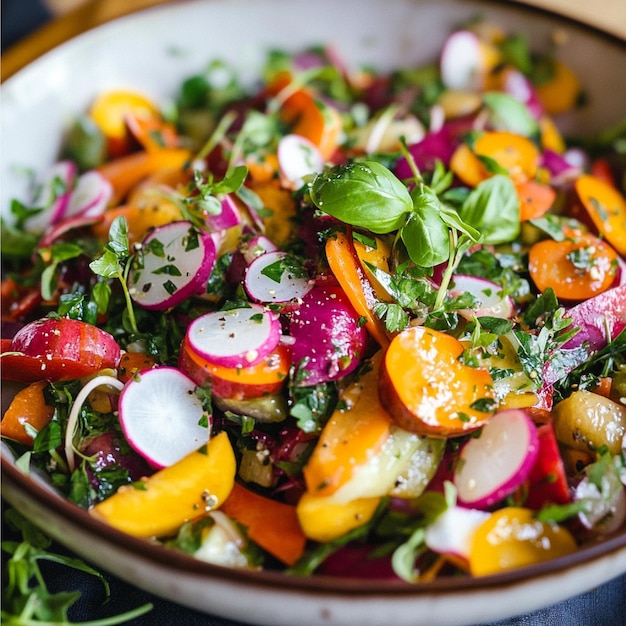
<point>276,277</point>
<point>496,463</point>
<point>63,227</point>
<point>519,86</point>
<point>90,195</point>
<point>239,337</point>
<point>297,157</point>
<point>227,218</point>
<point>52,195</point>
<point>451,533</point>
<point>488,294</point>
<point>462,61</point>
<point>176,263</point>
<point>161,416</point>
<point>256,247</point>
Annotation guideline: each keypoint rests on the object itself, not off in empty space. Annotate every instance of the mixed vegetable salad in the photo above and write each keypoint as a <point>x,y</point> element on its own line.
<point>339,322</point>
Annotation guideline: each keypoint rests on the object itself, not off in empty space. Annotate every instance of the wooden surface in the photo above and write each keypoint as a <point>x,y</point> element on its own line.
<point>76,16</point>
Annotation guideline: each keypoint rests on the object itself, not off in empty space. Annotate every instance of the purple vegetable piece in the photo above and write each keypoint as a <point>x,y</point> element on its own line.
<point>329,341</point>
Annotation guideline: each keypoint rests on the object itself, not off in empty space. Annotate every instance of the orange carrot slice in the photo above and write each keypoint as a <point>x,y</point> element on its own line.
<point>280,222</point>
<point>428,390</point>
<point>606,207</point>
<point>110,110</point>
<point>127,171</point>
<point>377,256</point>
<point>238,383</point>
<point>345,265</point>
<point>27,407</point>
<point>271,524</point>
<point>152,131</point>
<point>139,219</point>
<point>561,92</point>
<point>350,437</point>
<point>576,268</point>
<point>535,199</point>
<point>516,154</point>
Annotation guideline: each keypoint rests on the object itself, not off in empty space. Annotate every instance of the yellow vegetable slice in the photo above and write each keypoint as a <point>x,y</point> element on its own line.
<point>199,482</point>
<point>323,519</point>
<point>512,538</point>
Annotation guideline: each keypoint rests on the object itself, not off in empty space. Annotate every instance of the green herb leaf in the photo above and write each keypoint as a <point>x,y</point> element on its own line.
<point>364,194</point>
<point>492,208</point>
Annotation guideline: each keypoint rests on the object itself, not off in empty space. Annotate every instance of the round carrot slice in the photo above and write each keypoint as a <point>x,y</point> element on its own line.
<point>515,153</point>
<point>606,207</point>
<point>428,390</point>
<point>576,268</point>
<point>561,92</point>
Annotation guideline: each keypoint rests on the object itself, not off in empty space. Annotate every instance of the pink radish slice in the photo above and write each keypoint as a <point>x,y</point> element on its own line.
<point>52,195</point>
<point>274,278</point>
<point>461,61</point>
<point>488,294</point>
<point>176,263</point>
<point>161,416</point>
<point>227,218</point>
<point>256,246</point>
<point>240,337</point>
<point>297,157</point>
<point>328,339</point>
<point>519,86</point>
<point>451,533</point>
<point>64,226</point>
<point>495,464</point>
<point>90,196</point>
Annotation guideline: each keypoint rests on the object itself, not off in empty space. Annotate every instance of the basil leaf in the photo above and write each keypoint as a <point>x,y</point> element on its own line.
<point>508,113</point>
<point>364,194</point>
<point>492,208</point>
<point>426,237</point>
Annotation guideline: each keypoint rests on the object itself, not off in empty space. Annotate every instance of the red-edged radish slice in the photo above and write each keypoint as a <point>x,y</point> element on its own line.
<point>90,196</point>
<point>64,226</point>
<point>496,463</point>
<point>228,217</point>
<point>52,195</point>
<point>451,533</point>
<point>240,337</point>
<point>520,87</point>
<point>464,61</point>
<point>297,158</point>
<point>276,278</point>
<point>175,263</point>
<point>241,383</point>
<point>162,417</point>
<point>256,246</point>
<point>488,295</point>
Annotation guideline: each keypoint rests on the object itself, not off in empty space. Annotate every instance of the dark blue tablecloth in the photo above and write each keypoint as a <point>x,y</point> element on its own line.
<point>604,606</point>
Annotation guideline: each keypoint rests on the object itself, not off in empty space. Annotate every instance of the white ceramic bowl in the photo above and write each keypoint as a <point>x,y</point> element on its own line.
<point>152,51</point>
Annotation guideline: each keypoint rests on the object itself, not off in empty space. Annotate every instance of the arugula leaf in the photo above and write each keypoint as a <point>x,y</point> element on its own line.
<point>26,600</point>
